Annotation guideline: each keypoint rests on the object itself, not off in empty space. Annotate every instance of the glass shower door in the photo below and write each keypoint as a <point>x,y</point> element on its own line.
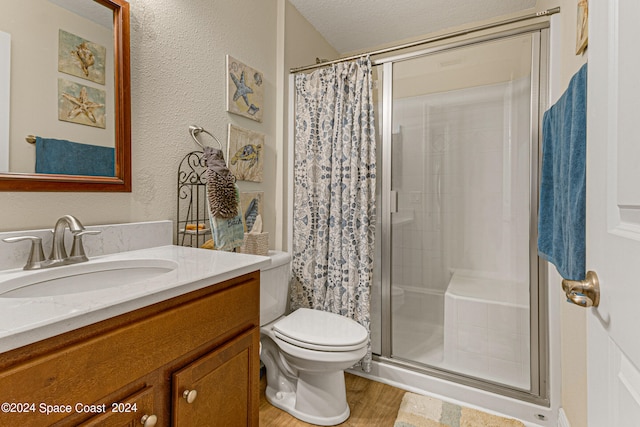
<point>461,211</point>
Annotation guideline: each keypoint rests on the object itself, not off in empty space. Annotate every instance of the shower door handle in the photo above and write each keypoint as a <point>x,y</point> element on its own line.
<point>393,196</point>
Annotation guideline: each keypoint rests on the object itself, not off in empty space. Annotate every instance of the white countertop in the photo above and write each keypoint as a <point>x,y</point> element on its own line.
<point>27,320</point>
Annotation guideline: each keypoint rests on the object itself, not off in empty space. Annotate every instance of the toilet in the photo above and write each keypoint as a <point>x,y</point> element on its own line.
<point>305,352</point>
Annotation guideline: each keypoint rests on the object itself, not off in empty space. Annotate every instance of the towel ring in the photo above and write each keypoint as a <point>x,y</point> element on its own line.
<point>196,130</point>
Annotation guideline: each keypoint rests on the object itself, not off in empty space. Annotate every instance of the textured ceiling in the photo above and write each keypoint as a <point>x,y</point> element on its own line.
<point>357,25</point>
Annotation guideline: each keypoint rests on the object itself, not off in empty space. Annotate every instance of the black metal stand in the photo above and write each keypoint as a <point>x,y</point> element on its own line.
<point>192,201</point>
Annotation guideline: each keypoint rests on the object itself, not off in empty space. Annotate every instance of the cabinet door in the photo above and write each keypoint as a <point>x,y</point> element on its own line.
<point>136,410</point>
<point>222,387</point>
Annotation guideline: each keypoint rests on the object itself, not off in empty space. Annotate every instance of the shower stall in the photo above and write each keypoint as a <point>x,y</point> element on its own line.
<point>458,286</point>
<point>459,295</point>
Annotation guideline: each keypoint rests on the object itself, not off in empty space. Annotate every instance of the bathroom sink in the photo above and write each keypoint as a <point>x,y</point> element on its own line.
<point>84,277</point>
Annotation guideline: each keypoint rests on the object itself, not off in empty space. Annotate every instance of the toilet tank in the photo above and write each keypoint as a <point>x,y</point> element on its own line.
<point>274,287</point>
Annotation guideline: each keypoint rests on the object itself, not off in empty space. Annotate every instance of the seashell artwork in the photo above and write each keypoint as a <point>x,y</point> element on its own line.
<point>81,58</point>
<point>252,207</point>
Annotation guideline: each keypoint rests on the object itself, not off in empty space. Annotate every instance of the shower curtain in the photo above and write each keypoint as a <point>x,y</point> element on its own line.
<point>334,192</point>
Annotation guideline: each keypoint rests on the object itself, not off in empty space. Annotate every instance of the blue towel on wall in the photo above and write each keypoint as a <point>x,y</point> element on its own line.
<point>59,156</point>
<point>561,222</point>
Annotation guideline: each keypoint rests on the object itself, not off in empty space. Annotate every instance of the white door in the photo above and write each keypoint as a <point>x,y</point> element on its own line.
<point>613,212</point>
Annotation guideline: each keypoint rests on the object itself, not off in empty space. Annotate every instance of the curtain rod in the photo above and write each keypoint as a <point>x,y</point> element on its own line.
<point>547,12</point>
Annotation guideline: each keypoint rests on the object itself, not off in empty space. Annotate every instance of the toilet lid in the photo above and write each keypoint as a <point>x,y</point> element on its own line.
<point>320,330</point>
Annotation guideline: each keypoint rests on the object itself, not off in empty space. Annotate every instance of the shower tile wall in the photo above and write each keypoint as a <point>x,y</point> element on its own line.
<point>417,232</point>
<point>416,238</point>
<point>462,182</point>
<point>460,244</point>
<point>460,167</point>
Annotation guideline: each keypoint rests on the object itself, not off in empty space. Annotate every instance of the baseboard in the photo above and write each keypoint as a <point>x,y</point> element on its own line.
<point>562,419</point>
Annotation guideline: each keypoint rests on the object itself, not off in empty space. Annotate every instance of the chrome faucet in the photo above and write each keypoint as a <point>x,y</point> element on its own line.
<point>58,251</point>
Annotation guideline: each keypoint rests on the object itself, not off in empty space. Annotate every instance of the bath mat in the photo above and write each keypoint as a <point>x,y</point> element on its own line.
<point>424,411</point>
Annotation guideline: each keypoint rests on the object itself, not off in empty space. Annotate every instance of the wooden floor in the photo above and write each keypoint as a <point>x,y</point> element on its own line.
<point>372,404</point>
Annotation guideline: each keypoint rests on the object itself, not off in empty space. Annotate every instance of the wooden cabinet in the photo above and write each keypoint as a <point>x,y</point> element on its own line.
<point>116,372</point>
<point>223,383</point>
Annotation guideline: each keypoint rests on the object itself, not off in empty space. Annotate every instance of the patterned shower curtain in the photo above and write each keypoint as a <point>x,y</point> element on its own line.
<point>334,192</point>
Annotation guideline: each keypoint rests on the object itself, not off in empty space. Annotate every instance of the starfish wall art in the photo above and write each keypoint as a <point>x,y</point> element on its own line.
<point>80,104</point>
<point>244,90</point>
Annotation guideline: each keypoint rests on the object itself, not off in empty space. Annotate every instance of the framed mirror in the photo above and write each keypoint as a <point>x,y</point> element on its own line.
<point>65,81</point>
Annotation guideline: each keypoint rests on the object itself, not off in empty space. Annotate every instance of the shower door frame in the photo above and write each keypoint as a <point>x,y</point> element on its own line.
<point>539,314</point>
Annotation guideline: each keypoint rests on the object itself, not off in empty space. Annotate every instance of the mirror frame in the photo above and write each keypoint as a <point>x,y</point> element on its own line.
<point>122,94</point>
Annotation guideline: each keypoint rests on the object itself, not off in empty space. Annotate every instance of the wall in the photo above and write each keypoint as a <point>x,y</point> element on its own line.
<point>480,65</point>
<point>573,327</point>
<point>178,50</point>
<point>5,89</point>
<point>301,45</point>
<point>178,79</point>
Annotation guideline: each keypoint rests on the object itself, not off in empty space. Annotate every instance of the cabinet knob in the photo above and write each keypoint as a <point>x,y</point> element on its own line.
<point>190,395</point>
<point>148,420</point>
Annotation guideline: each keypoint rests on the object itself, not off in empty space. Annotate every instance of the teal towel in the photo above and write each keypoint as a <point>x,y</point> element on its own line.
<point>561,221</point>
<point>59,156</point>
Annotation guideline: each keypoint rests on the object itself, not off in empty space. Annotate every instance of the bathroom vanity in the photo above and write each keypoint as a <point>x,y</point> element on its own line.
<point>179,349</point>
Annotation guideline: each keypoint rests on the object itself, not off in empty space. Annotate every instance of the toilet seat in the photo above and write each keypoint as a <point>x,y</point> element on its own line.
<point>321,330</point>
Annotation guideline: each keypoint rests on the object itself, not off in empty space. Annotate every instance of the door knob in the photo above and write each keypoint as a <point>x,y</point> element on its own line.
<point>585,293</point>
